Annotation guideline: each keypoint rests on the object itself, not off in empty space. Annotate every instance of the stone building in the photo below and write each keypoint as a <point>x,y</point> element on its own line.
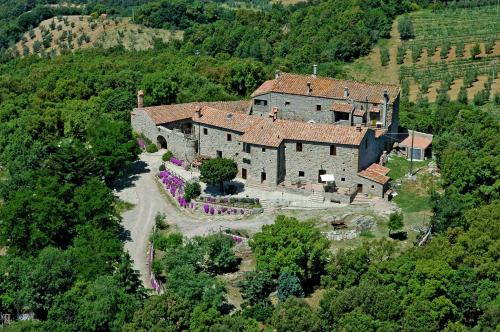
<point>284,140</point>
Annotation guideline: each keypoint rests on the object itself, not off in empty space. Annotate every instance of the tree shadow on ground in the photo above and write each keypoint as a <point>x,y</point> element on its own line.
<point>131,174</point>
<point>123,234</point>
<point>230,188</point>
<point>401,236</point>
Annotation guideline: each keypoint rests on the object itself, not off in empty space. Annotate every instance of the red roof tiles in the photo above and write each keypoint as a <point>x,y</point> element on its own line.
<point>420,140</point>
<point>327,87</point>
<point>376,173</point>
<point>177,112</point>
<point>272,133</point>
<point>344,108</point>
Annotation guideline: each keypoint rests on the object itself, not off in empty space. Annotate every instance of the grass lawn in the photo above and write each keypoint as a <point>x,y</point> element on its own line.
<point>400,166</point>
<point>123,206</point>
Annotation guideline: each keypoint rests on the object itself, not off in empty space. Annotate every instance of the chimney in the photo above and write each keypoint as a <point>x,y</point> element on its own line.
<point>358,128</point>
<point>315,70</point>
<point>198,113</point>
<point>140,99</point>
<point>277,74</point>
<point>309,88</point>
<point>346,92</point>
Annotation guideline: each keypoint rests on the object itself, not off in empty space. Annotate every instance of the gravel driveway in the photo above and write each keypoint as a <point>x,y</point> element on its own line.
<point>140,188</point>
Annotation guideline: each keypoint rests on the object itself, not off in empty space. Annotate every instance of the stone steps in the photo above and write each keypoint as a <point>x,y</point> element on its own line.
<point>317,197</point>
<point>260,186</point>
<point>266,206</point>
<point>360,199</point>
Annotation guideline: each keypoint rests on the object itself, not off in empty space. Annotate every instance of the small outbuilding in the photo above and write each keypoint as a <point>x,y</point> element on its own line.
<point>422,145</point>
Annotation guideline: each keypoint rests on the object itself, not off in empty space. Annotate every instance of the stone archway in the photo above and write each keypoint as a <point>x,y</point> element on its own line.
<point>161,142</point>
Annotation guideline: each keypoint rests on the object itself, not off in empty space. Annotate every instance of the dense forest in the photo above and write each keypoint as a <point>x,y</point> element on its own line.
<point>65,138</point>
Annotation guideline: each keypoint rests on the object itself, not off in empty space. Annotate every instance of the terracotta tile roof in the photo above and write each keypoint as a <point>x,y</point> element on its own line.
<point>269,133</point>
<point>327,87</point>
<point>375,173</point>
<point>345,108</point>
<point>420,140</point>
<point>177,112</point>
<point>228,120</point>
<point>359,112</point>
<point>375,110</point>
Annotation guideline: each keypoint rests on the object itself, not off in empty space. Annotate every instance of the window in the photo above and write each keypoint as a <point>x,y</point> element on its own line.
<point>287,103</point>
<point>263,176</point>
<point>229,138</point>
<point>298,147</point>
<point>263,149</point>
<point>318,107</point>
<point>244,173</point>
<point>260,102</point>
<point>333,150</point>
<point>342,179</point>
<point>246,147</point>
<point>205,131</point>
<point>373,186</point>
<point>301,174</point>
<point>246,161</point>
<point>219,154</point>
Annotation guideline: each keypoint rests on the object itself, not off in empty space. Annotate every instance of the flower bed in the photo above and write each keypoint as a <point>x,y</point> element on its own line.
<point>233,202</point>
<point>175,187</point>
<point>176,161</point>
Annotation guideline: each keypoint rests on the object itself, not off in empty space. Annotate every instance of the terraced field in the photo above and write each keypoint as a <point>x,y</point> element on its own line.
<point>440,55</point>
<point>61,33</point>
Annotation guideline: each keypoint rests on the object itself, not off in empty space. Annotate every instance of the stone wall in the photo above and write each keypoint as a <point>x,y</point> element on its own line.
<point>370,150</point>
<point>260,160</point>
<point>216,139</point>
<point>142,123</point>
<point>183,146</point>
<point>371,187</point>
<point>303,108</point>
<point>315,157</point>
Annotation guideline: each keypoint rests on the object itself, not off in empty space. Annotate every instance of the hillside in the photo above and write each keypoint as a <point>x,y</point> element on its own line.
<point>75,32</point>
<point>431,57</point>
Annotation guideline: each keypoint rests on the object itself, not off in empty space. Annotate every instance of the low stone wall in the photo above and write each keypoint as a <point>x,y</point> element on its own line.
<point>342,235</point>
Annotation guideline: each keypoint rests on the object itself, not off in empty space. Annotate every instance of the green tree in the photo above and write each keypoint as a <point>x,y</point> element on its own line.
<point>257,286</point>
<point>218,170</point>
<point>192,189</point>
<point>289,244</point>
<point>405,28</point>
<point>289,285</point>
<point>295,315</point>
<point>163,312</point>
<point>475,51</point>
<point>462,96</point>
<point>396,221</point>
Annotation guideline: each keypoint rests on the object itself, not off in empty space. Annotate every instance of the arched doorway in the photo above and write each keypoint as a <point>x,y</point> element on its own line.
<point>161,142</point>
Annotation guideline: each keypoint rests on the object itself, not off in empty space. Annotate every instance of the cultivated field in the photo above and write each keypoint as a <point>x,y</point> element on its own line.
<point>439,58</point>
<point>61,33</point>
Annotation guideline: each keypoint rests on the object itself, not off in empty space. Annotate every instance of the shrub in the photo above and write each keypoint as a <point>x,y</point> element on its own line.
<point>470,77</point>
<point>497,98</point>
<point>261,311</point>
<point>489,45</point>
<point>37,46</point>
<point>400,57</point>
<point>445,49</point>
<point>481,97</point>
<point>384,56</point>
<point>405,28</point>
<point>475,51</point>
<point>151,148</point>
<point>442,97</point>
<point>395,222</point>
<point>424,85</point>
<point>192,189</point>
<point>459,51</point>
<point>405,88</point>
<point>416,50</point>
<point>167,155</point>
<point>462,96</point>
<point>161,168</point>
<point>431,49</point>
<point>257,286</point>
<point>160,221</point>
